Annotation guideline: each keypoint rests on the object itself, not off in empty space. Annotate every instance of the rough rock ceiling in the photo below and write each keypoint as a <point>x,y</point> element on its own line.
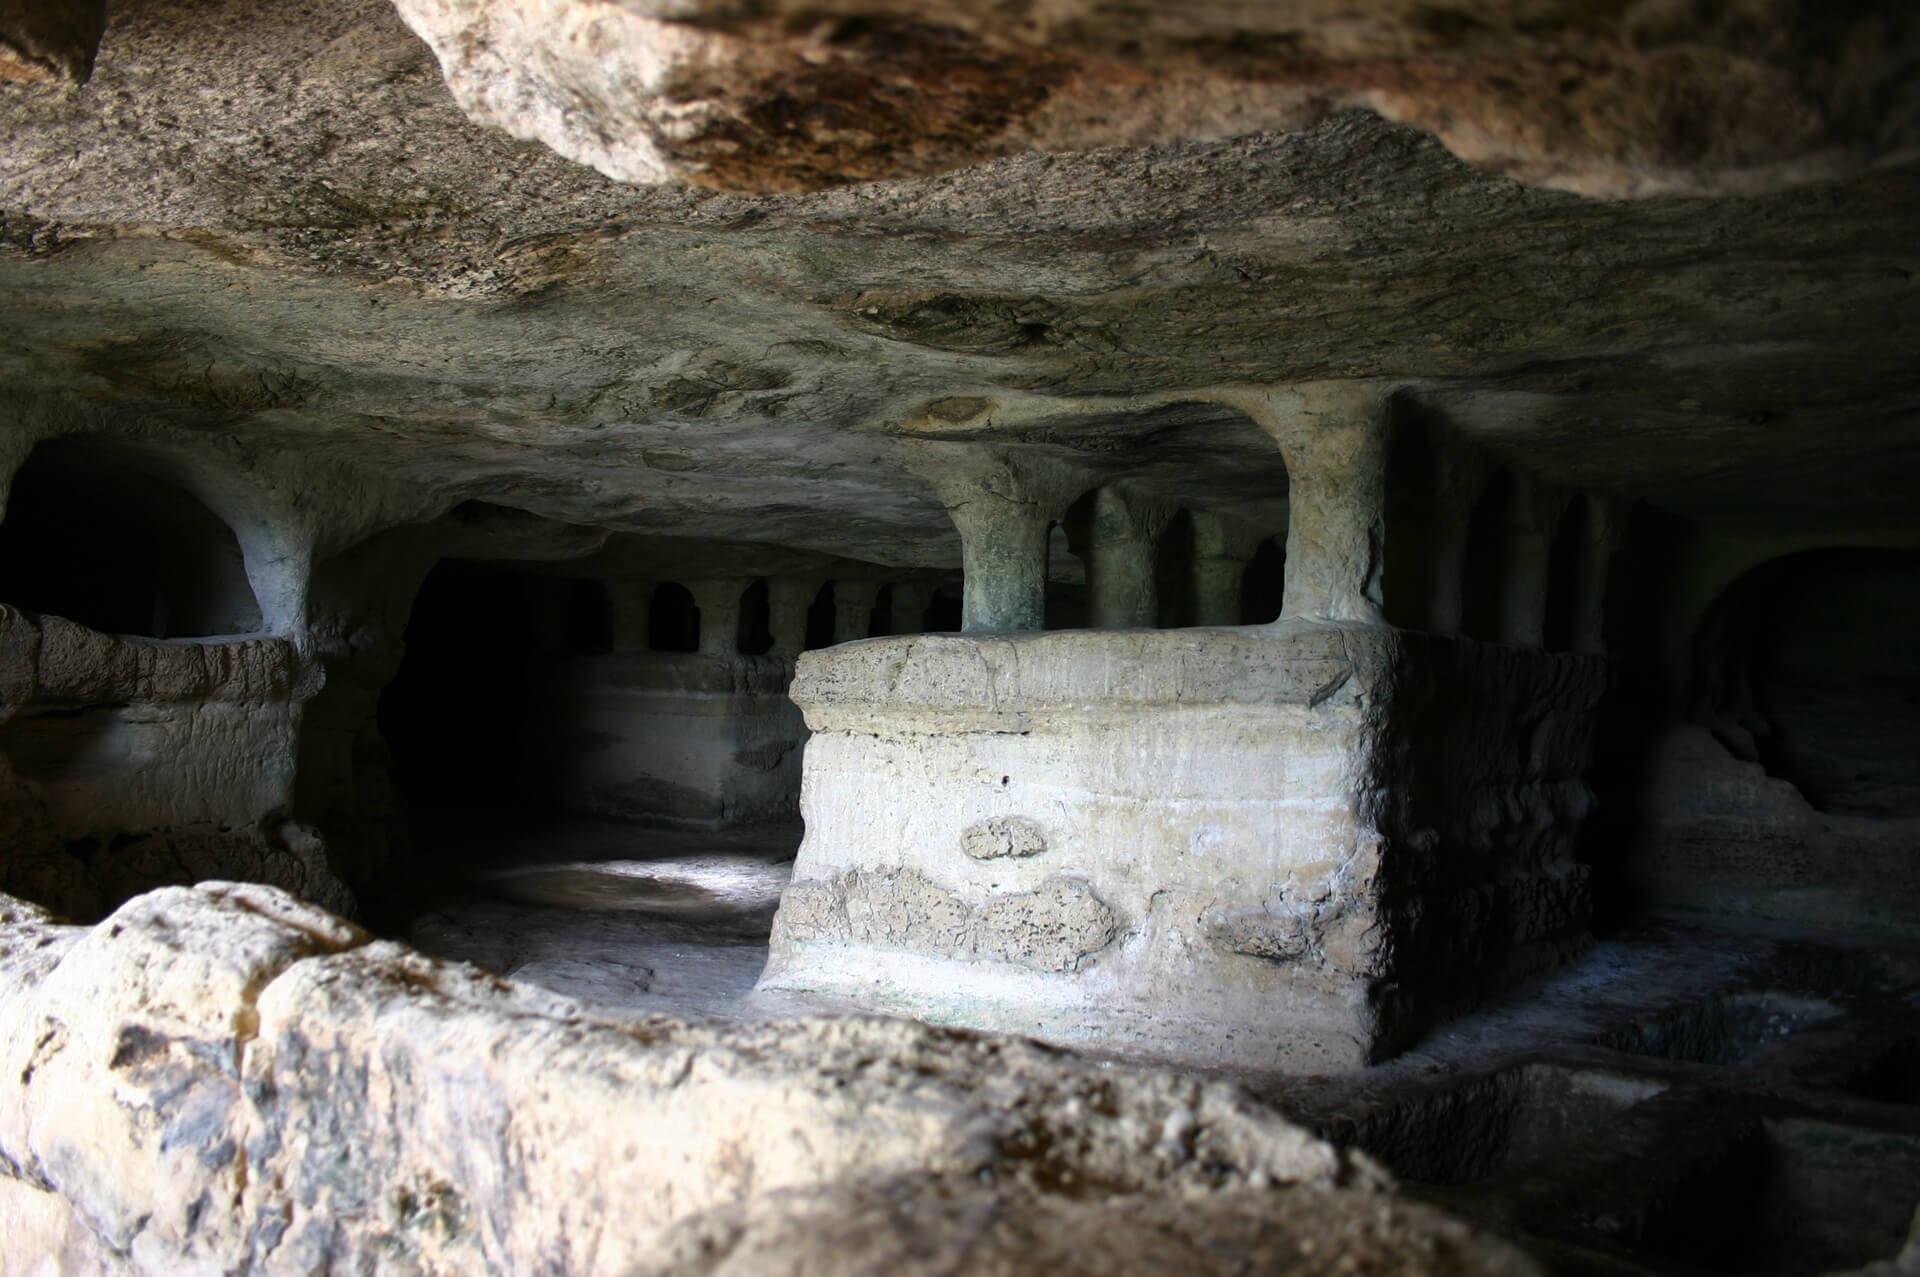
<point>265,237</point>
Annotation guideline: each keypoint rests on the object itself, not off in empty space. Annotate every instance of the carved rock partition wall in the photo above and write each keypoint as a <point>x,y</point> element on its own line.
<point>1292,846</point>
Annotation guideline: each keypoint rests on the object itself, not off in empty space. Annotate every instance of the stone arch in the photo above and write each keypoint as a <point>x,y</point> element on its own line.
<point>880,617</point>
<point>470,626</point>
<point>943,613</point>
<point>673,619</point>
<point>93,534</point>
<point>1067,573</point>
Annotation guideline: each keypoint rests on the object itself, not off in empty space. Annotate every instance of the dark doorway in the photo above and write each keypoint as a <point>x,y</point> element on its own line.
<point>820,619</point>
<point>455,717</point>
<point>1263,588</point>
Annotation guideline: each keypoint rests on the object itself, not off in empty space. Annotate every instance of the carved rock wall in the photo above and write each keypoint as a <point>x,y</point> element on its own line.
<point>126,763</point>
<point>1322,836</point>
<point>687,738</point>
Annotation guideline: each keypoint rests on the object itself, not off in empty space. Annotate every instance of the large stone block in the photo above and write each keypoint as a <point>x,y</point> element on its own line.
<point>1235,845</point>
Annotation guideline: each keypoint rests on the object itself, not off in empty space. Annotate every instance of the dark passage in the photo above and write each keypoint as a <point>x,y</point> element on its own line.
<point>455,717</point>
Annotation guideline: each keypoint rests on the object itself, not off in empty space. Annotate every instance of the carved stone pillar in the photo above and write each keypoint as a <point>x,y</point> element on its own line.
<point>1523,612</point>
<point>1123,535</point>
<point>1333,436</point>
<point>719,604</point>
<point>853,609</point>
<point>908,601</point>
<point>1222,549</point>
<point>788,599</point>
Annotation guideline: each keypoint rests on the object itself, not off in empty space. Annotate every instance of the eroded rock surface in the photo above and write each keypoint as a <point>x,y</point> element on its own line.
<point>222,1076</point>
<point>920,1226</point>
<point>788,96</point>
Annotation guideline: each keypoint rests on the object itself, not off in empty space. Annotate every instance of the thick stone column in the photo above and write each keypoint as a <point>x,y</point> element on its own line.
<point>1003,508</point>
<point>853,609</point>
<point>1333,436</point>
<point>719,604</point>
<point>1120,572</point>
<point>1605,526</point>
<point>1458,478</point>
<point>279,564</point>
<point>1003,548</point>
<point>630,603</point>
<point>1222,549</point>
<point>788,599</point>
<point>1523,611</point>
<point>908,607</point>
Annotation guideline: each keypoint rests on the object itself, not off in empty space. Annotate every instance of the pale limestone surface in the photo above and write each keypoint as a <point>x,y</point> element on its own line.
<point>1297,827</point>
<point>133,762</point>
<point>224,1078</point>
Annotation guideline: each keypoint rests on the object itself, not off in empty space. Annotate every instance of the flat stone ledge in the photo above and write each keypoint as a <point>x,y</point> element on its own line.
<point>1013,675</point>
<point>49,660</point>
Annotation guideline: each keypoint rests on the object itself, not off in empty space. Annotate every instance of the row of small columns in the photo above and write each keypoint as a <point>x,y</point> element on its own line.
<point>1333,439</point>
<point>789,599</point>
<point>1534,513</point>
<point>1004,547</point>
<point>1004,505</point>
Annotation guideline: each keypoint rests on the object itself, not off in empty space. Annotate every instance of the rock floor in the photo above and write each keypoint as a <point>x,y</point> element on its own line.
<point>630,920</point>
<point>1687,1098</point>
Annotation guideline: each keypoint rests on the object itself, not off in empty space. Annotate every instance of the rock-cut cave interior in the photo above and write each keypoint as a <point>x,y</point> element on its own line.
<point>751,637</point>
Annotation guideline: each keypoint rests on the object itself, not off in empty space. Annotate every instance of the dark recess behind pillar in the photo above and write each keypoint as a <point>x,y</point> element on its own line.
<point>455,716</point>
<point>1814,659</point>
<point>1263,588</point>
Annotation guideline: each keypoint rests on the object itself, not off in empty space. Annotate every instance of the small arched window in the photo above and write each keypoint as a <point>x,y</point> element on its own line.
<point>673,621</point>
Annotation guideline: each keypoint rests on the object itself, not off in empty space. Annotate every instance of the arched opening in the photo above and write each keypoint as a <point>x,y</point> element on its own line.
<point>1067,605</point>
<point>755,636</point>
<point>1808,665</point>
<point>1488,566</point>
<point>91,536</point>
<point>456,716</point>
<point>673,620</point>
<point>1173,573</point>
<point>880,619</point>
<point>820,617</point>
<point>1566,577</point>
<point>944,612</point>
<point>589,619</point>
<point>1263,588</point>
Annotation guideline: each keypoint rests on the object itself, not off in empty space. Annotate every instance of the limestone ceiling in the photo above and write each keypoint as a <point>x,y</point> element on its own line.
<point>265,236</point>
